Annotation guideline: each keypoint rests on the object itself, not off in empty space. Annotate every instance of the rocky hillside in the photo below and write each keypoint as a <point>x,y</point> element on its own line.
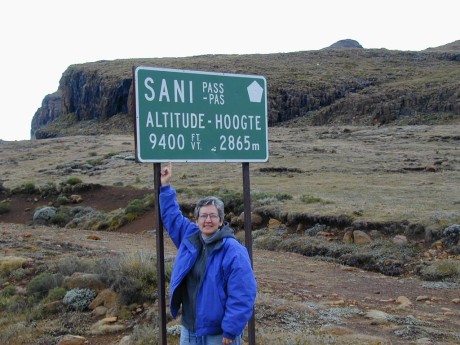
<point>341,84</point>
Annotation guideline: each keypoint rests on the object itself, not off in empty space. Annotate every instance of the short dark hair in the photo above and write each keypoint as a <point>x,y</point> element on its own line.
<point>210,200</point>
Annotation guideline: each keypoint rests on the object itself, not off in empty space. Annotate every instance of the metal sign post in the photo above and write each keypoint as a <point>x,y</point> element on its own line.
<point>191,116</point>
<point>248,238</point>
<point>160,256</point>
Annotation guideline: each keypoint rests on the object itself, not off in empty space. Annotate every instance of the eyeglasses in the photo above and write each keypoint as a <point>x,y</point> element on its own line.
<point>205,216</point>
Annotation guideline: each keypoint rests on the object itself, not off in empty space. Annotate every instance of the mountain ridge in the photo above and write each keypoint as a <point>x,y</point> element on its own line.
<point>337,85</point>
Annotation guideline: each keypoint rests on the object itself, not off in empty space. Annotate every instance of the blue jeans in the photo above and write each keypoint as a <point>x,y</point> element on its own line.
<point>189,338</point>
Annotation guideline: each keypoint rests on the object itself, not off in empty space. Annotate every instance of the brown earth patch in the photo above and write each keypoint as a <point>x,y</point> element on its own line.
<point>102,198</point>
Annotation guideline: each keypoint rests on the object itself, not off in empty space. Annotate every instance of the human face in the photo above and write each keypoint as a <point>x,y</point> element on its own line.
<point>208,225</point>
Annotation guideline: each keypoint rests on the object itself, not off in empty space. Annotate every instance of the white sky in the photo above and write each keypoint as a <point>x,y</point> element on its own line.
<point>41,38</point>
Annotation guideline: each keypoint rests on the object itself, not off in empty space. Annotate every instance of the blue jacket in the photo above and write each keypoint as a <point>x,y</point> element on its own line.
<point>226,297</point>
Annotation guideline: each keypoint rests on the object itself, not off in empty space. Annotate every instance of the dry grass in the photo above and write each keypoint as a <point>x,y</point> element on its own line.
<point>368,173</point>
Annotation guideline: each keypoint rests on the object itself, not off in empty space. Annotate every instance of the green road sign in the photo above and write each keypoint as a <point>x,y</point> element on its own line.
<point>200,116</point>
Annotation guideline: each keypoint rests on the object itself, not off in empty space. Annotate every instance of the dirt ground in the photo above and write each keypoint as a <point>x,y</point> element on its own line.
<point>286,281</point>
<point>373,173</point>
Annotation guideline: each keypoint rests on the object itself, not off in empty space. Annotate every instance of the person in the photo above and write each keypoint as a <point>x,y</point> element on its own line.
<point>212,281</point>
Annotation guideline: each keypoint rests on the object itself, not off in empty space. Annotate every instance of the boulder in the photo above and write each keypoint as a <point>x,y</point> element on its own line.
<point>360,237</point>
<point>84,281</point>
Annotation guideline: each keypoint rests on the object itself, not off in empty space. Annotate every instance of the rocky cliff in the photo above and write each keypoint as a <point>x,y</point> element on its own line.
<point>329,86</point>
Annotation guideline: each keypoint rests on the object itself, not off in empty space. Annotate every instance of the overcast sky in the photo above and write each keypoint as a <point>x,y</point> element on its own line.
<point>41,38</point>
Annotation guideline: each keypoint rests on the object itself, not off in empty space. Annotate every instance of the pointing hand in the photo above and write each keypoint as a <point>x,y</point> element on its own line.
<point>166,174</point>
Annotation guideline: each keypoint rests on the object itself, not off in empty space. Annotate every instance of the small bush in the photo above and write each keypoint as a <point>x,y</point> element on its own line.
<point>441,270</point>
<point>9,264</point>
<point>7,297</point>
<point>73,181</point>
<point>4,207</point>
<point>44,215</point>
<point>12,304</point>
<point>9,290</point>
<point>62,200</point>
<point>25,188</point>
<point>40,285</point>
<point>95,162</point>
<point>69,265</point>
<point>78,299</point>
<point>133,276</point>
<point>56,294</point>
<point>260,199</point>
<point>61,217</point>
<point>88,218</point>
<point>28,188</point>
<point>310,199</point>
<point>48,189</point>
<point>277,196</point>
<point>136,207</point>
<point>21,273</point>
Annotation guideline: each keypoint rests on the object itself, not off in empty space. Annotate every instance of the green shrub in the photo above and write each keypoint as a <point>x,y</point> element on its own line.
<point>118,222</point>
<point>62,200</point>
<point>133,276</point>
<point>259,199</point>
<point>136,207</point>
<point>28,188</point>
<point>4,207</point>
<point>9,264</point>
<point>69,265</point>
<point>8,291</point>
<point>12,303</point>
<point>20,273</point>
<point>35,313</point>
<point>73,181</point>
<point>310,199</point>
<point>149,200</point>
<point>277,196</point>
<point>129,217</point>
<point>441,270</point>
<point>55,294</point>
<point>25,188</point>
<point>49,189</point>
<point>61,217</point>
<point>94,162</point>
<point>40,285</point>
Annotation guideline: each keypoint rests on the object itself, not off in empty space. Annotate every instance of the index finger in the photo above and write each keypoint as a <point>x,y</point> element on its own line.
<point>167,169</point>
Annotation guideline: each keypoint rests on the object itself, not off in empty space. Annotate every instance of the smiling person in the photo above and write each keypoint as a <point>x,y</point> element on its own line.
<point>212,282</point>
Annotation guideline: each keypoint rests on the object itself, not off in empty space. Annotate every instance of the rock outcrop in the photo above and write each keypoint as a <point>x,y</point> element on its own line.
<point>92,94</point>
<point>350,85</point>
<point>344,44</point>
<point>50,110</point>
